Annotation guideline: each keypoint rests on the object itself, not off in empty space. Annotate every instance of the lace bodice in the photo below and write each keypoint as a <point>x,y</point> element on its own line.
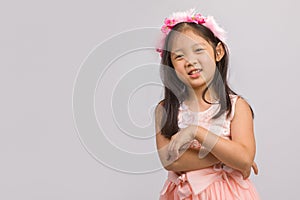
<point>219,126</point>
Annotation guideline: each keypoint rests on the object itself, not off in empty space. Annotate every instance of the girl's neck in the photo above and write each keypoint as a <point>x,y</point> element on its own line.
<point>195,97</point>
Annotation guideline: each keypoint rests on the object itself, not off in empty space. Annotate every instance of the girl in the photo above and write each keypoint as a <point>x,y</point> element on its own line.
<point>204,129</point>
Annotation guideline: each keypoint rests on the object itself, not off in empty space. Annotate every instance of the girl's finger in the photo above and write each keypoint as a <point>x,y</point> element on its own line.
<point>170,147</point>
<point>171,143</point>
<point>176,150</point>
<point>171,150</point>
<point>184,147</point>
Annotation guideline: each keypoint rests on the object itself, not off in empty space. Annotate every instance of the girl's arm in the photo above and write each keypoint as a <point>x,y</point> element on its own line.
<point>188,161</point>
<point>238,152</point>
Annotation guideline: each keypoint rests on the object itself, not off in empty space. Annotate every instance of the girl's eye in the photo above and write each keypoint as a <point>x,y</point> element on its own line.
<point>178,56</point>
<point>198,50</point>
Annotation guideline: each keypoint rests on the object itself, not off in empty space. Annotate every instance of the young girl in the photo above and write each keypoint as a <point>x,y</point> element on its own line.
<point>204,129</point>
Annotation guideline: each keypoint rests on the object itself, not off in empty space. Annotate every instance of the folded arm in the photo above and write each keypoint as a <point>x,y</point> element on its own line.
<point>238,152</point>
<point>187,161</point>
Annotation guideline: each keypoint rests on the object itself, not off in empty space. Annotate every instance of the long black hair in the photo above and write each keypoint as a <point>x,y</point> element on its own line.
<point>175,91</point>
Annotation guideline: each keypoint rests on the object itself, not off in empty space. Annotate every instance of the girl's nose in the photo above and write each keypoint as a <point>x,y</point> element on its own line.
<point>190,63</point>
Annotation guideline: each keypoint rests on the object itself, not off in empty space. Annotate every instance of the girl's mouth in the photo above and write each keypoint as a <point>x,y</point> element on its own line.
<point>195,73</point>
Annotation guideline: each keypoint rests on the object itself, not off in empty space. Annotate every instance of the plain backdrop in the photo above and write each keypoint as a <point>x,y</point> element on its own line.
<point>44,43</point>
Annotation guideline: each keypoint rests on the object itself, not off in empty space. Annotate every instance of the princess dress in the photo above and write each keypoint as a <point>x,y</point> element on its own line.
<point>218,182</point>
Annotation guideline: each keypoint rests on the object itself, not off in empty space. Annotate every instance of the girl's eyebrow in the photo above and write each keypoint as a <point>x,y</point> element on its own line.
<point>196,44</point>
<point>175,51</point>
<point>200,43</point>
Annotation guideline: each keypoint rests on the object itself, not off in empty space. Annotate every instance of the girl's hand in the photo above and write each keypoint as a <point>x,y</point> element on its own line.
<point>181,141</point>
<point>247,173</point>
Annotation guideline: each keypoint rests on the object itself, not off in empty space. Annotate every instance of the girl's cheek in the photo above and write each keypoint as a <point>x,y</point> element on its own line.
<point>206,61</point>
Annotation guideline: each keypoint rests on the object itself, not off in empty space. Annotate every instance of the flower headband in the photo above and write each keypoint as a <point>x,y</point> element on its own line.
<point>191,16</point>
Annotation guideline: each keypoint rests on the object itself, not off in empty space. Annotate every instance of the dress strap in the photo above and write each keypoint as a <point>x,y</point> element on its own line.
<point>233,99</point>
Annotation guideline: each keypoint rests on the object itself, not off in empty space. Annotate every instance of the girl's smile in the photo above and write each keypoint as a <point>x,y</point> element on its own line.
<point>193,59</point>
<point>195,73</point>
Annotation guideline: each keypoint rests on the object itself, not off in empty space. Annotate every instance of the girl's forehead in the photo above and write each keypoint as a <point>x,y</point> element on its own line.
<point>187,38</point>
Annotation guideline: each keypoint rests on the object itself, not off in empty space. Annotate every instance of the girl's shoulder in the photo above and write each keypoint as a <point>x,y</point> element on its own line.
<point>159,108</point>
<point>240,102</point>
<point>234,97</point>
<point>161,102</point>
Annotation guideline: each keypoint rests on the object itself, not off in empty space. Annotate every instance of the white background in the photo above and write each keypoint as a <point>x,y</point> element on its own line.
<point>42,45</point>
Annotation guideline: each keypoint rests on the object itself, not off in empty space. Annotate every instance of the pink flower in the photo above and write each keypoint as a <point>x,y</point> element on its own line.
<point>188,16</point>
<point>215,28</point>
<point>191,16</point>
<point>165,29</point>
<point>170,22</point>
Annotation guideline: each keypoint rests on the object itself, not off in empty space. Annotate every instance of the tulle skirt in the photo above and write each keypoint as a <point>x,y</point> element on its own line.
<point>213,183</point>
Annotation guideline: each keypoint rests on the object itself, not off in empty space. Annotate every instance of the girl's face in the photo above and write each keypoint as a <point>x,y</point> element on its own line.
<point>194,59</point>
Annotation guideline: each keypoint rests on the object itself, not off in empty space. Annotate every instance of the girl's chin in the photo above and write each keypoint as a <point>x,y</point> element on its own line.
<point>196,86</point>
<point>196,83</point>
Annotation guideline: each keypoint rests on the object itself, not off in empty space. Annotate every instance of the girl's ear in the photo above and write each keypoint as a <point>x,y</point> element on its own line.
<point>220,51</point>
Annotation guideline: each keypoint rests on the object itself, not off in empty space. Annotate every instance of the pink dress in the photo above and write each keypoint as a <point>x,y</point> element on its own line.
<point>218,182</point>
